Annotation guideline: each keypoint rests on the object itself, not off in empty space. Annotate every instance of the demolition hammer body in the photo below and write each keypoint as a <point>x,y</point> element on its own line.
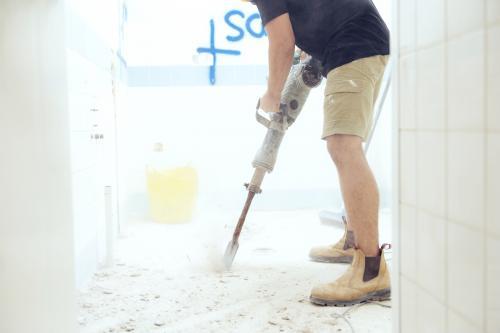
<point>304,75</point>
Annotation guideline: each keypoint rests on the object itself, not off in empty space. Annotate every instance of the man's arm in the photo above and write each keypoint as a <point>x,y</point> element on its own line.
<point>281,49</point>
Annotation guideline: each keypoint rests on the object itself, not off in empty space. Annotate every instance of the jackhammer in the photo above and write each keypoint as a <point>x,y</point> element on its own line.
<point>304,75</point>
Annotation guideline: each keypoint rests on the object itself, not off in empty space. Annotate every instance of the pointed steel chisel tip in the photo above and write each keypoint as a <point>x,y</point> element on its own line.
<point>231,249</point>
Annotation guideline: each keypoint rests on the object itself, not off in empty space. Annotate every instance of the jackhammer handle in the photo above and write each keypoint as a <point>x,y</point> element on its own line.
<point>269,122</point>
<point>283,108</point>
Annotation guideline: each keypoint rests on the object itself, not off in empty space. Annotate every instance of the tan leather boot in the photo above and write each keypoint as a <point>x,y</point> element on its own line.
<point>342,252</point>
<point>366,280</point>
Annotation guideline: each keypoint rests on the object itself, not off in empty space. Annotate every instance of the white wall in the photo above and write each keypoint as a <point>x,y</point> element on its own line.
<point>36,234</point>
<point>214,126</point>
<point>449,128</point>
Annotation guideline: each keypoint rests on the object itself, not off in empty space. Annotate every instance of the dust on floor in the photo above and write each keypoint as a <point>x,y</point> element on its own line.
<point>169,278</point>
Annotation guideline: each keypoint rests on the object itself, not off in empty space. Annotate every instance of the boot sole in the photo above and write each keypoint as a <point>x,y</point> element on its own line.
<point>378,296</point>
<point>332,260</point>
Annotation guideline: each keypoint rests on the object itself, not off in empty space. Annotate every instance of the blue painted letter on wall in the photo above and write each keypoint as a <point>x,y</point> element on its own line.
<point>241,32</point>
<point>214,51</point>
<point>237,37</point>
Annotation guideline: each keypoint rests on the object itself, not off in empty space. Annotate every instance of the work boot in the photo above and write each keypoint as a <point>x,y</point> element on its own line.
<point>366,280</point>
<point>341,252</point>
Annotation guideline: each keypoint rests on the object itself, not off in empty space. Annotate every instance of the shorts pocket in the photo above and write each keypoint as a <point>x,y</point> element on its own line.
<point>347,104</point>
<point>345,86</point>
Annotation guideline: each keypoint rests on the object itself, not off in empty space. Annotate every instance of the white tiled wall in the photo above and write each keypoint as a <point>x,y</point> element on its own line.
<point>493,77</point>
<point>493,183</point>
<point>408,294</point>
<point>466,81</point>
<point>431,313</point>
<point>91,112</point>
<point>431,94</point>
<point>492,299</point>
<point>449,165</point>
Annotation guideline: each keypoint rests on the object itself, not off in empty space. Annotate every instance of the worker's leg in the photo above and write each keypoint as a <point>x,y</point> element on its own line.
<point>368,277</point>
<point>359,190</point>
<point>349,99</point>
<point>350,94</point>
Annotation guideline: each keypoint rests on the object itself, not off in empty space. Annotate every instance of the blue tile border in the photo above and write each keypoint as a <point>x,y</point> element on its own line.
<point>191,75</point>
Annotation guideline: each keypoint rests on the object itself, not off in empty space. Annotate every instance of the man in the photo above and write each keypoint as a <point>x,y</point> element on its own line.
<point>352,41</point>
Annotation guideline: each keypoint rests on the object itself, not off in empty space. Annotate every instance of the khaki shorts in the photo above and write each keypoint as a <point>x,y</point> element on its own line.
<point>350,95</point>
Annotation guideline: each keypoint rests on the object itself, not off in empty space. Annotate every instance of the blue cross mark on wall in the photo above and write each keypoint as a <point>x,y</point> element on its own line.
<point>214,52</point>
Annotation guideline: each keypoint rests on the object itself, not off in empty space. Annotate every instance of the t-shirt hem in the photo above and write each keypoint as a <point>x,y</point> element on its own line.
<point>332,64</point>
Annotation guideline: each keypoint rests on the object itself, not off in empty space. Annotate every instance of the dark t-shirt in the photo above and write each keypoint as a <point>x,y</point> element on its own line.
<point>334,31</point>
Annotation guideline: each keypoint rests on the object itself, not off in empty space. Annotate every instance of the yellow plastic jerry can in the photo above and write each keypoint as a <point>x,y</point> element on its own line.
<point>172,191</point>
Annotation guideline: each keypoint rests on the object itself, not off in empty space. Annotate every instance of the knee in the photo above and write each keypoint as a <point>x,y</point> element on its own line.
<point>344,148</point>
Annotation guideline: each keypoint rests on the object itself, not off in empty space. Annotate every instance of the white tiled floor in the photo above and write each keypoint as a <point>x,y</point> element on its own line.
<point>169,279</point>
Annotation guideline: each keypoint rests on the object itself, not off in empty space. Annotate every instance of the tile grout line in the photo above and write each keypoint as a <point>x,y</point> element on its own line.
<point>456,131</point>
<point>460,35</point>
<point>415,146</point>
<point>441,302</point>
<point>397,312</point>
<point>490,233</point>
<point>493,24</point>
<point>447,38</point>
<point>485,167</point>
<point>397,164</point>
<point>446,167</point>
